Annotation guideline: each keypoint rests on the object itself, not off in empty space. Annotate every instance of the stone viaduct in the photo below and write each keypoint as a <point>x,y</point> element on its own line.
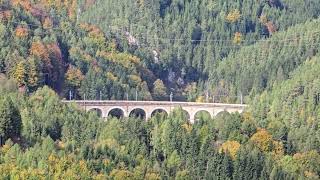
<point>148,108</point>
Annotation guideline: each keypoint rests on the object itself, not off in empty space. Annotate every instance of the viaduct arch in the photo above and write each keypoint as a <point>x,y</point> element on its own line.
<point>127,108</point>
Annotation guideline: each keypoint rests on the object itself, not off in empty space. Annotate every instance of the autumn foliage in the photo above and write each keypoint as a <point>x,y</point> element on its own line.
<point>74,76</point>
<point>39,50</point>
<point>237,38</point>
<point>263,140</point>
<point>233,16</point>
<point>21,32</point>
<point>230,147</point>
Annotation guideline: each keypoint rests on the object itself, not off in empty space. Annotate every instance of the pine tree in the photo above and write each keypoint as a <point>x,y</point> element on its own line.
<point>33,74</point>
<point>10,120</point>
<point>20,73</point>
<point>159,90</point>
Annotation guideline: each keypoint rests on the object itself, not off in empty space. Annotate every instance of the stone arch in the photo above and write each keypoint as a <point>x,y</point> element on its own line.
<point>138,113</point>
<point>235,111</point>
<point>159,110</point>
<point>222,113</point>
<point>98,111</point>
<point>187,114</point>
<point>202,113</point>
<point>116,112</point>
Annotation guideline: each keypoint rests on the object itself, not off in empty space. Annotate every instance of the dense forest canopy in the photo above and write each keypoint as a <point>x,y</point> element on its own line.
<point>183,41</point>
<point>267,50</point>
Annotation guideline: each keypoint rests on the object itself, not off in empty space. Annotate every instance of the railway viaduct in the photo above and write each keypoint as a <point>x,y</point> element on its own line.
<point>148,108</point>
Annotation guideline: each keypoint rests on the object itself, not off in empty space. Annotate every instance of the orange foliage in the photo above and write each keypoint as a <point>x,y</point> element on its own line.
<point>230,147</point>
<point>55,51</point>
<point>38,8</point>
<point>44,52</point>
<point>271,27</point>
<point>51,3</point>
<point>69,5</point>
<point>26,4</point>
<point>39,50</point>
<point>72,9</point>
<point>5,15</point>
<point>21,32</point>
<point>47,23</point>
<point>89,3</point>
<point>94,31</point>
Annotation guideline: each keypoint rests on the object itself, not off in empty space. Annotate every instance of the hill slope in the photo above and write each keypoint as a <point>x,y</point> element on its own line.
<point>42,44</point>
<point>259,67</point>
<point>188,38</point>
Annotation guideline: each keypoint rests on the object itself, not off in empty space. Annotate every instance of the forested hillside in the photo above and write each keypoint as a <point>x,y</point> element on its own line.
<point>182,41</point>
<point>267,50</point>
<point>267,63</point>
<point>42,44</point>
<point>47,139</point>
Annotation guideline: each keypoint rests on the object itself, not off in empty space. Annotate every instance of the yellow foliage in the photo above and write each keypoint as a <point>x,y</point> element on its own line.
<point>311,175</point>
<point>52,159</point>
<point>263,140</point>
<point>69,5</point>
<point>111,76</point>
<point>33,77</point>
<point>60,145</point>
<point>247,116</point>
<point>304,158</point>
<point>233,16</point>
<point>124,59</point>
<point>308,162</point>
<point>4,149</point>
<point>106,162</point>
<point>136,79</point>
<point>88,57</point>
<point>277,149</point>
<point>263,19</point>
<point>121,174</point>
<point>78,53</point>
<point>20,73</point>
<point>230,147</point>
<point>112,144</point>
<point>187,127</point>
<point>152,176</point>
<point>100,176</point>
<point>83,165</point>
<point>237,38</point>
<point>200,99</point>
<point>74,76</point>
